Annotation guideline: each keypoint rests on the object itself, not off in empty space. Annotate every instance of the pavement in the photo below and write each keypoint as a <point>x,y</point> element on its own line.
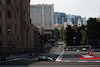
<point>18,57</point>
<point>56,52</point>
<point>96,53</point>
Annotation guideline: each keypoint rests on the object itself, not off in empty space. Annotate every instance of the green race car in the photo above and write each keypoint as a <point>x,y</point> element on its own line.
<point>45,58</point>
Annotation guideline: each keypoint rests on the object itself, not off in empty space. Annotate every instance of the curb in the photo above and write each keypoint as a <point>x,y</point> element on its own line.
<point>74,61</point>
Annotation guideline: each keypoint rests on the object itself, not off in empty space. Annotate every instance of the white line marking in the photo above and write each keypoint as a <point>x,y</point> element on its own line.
<point>58,48</point>
<point>87,56</point>
<point>73,57</point>
<point>60,56</point>
<point>82,61</point>
<point>67,61</point>
<point>52,48</point>
<point>98,61</point>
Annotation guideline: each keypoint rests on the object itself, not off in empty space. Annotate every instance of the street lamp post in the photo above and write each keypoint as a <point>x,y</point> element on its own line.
<point>74,38</point>
<point>10,37</point>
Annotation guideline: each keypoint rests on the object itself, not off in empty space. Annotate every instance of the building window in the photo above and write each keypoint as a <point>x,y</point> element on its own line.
<point>14,1</point>
<point>15,15</point>
<point>0,28</point>
<point>29,0</point>
<point>0,42</point>
<point>0,1</point>
<point>0,13</point>
<point>9,14</point>
<point>8,2</point>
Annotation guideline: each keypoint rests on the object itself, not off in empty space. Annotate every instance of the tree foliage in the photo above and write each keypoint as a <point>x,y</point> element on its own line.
<point>56,33</point>
<point>83,40</point>
<point>78,34</point>
<point>82,34</point>
<point>78,37</point>
<point>93,29</point>
<point>69,36</point>
<point>62,33</point>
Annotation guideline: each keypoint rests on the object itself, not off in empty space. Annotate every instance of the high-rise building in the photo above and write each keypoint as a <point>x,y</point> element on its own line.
<point>84,21</point>
<point>74,19</point>
<point>42,15</point>
<point>71,19</point>
<point>60,18</point>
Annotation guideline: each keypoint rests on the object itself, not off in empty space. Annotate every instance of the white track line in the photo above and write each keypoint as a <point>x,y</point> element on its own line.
<point>98,61</point>
<point>73,57</point>
<point>52,48</point>
<point>82,61</point>
<point>60,56</point>
<point>58,48</point>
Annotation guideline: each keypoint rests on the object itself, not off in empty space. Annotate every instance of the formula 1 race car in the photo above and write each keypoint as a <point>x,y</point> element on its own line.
<point>45,58</point>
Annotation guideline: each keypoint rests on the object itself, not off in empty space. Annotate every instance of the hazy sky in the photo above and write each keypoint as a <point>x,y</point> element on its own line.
<point>84,8</point>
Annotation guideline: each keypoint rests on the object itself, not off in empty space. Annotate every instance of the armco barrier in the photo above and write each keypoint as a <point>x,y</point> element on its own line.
<point>13,57</point>
<point>4,50</point>
<point>95,50</point>
<point>2,58</point>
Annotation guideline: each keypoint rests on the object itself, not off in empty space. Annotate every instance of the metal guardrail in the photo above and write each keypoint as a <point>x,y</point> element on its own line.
<point>6,50</point>
<point>79,49</point>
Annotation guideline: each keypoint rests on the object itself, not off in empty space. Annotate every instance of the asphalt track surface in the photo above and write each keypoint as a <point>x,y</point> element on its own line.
<point>58,53</point>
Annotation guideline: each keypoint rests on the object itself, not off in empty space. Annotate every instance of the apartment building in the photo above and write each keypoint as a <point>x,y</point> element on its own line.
<point>42,15</point>
<point>14,26</point>
<point>76,20</point>
<point>60,18</point>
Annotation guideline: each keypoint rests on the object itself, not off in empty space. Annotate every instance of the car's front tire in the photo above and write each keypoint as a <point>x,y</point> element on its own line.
<point>39,59</point>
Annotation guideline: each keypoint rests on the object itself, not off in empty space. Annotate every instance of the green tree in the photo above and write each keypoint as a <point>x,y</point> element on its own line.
<point>56,33</point>
<point>83,40</point>
<point>78,34</point>
<point>75,28</point>
<point>83,27</point>
<point>93,29</point>
<point>98,19</point>
<point>69,36</point>
<point>62,34</point>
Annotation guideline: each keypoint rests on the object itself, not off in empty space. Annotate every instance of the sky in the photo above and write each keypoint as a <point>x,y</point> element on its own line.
<point>84,8</point>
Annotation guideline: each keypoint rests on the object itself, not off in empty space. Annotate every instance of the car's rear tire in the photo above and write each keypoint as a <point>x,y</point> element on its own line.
<point>46,59</point>
<point>39,59</point>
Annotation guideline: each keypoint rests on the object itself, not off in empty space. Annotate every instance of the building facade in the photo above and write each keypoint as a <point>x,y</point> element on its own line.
<point>42,15</point>
<point>74,20</point>
<point>14,25</point>
<point>36,37</point>
<point>32,35</point>
<point>60,18</point>
<point>58,25</point>
<point>71,19</point>
<point>66,25</point>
